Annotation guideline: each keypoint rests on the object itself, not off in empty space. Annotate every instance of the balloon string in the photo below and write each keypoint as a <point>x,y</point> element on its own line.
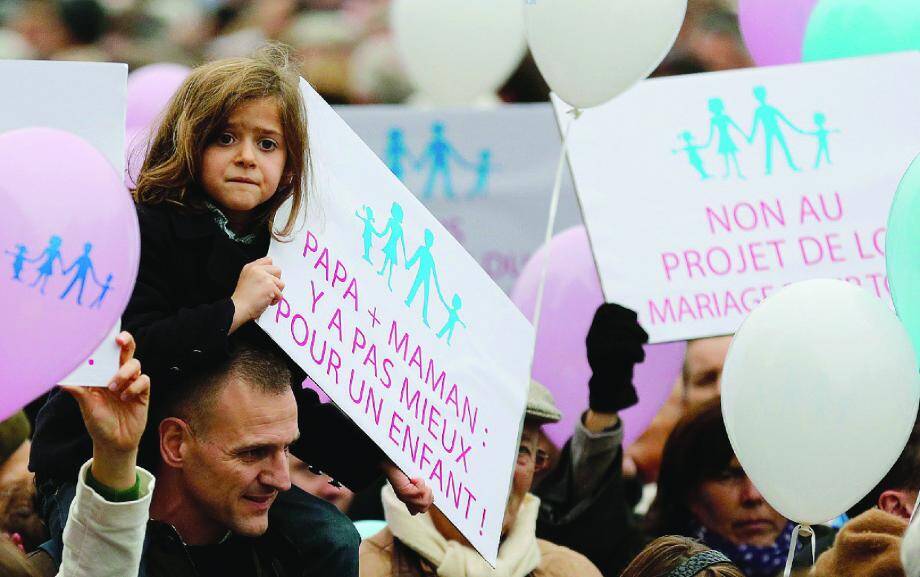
<point>551,223</point>
<point>805,531</point>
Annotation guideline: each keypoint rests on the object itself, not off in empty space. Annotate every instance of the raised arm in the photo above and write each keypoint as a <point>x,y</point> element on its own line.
<point>586,490</point>
<point>109,514</point>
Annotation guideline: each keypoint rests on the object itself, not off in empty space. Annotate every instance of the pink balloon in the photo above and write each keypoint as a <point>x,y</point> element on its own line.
<point>572,295</point>
<point>774,30</point>
<point>70,245</point>
<point>149,90</point>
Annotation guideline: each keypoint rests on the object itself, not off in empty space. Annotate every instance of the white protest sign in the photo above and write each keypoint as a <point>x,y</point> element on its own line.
<point>89,100</point>
<point>85,98</point>
<point>485,173</point>
<point>703,194</point>
<point>403,330</point>
<point>101,366</point>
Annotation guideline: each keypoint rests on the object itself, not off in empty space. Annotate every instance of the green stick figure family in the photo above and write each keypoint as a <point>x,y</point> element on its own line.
<point>82,267</point>
<point>767,119</point>
<point>422,259</point>
<point>438,157</point>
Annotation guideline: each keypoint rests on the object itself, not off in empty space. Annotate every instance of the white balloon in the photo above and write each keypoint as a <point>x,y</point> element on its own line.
<point>457,51</point>
<point>819,394</point>
<point>590,51</point>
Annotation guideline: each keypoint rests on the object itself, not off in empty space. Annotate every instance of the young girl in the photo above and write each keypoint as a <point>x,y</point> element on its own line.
<point>230,150</point>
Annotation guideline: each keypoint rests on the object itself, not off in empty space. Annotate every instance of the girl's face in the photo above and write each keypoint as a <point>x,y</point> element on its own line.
<point>243,165</point>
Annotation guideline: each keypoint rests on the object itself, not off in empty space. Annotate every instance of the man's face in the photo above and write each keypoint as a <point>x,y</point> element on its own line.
<point>703,369</point>
<point>731,506</point>
<point>529,460</point>
<point>235,466</point>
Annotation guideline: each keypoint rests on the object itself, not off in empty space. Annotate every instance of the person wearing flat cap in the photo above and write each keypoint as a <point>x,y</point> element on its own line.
<point>583,502</point>
<point>428,545</point>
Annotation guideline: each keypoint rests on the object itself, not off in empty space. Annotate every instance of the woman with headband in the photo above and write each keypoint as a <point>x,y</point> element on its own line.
<point>680,557</point>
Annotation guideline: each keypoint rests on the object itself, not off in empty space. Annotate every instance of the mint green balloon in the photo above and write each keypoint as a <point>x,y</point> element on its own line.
<point>367,529</point>
<point>902,252</point>
<point>844,28</point>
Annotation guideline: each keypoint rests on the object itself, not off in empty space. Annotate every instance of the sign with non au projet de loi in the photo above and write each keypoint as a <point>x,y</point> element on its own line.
<point>485,173</point>
<point>403,330</point>
<point>703,194</point>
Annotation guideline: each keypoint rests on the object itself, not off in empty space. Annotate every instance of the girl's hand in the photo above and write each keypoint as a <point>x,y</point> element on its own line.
<point>116,417</point>
<point>259,287</point>
<point>16,539</point>
<point>414,493</point>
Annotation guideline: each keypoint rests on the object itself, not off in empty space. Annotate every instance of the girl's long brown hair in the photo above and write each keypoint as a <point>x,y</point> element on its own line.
<point>665,554</point>
<point>199,110</point>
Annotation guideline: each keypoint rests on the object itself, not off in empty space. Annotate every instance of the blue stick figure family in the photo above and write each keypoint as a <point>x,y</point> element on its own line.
<point>438,158</point>
<point>82,267</point>
<point>422,259</point>
<point>768,120</point>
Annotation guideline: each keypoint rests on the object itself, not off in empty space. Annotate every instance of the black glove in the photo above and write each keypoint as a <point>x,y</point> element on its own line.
<point>614,345</point>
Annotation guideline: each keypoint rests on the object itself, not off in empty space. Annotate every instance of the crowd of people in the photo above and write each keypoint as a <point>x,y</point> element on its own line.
<point>345,47</point>
<point>205,455</point>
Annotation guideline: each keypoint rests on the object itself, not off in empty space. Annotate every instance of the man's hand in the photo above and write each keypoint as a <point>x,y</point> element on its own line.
<point>115,418</point>
<point>413,492</point>
<point>614,347</point>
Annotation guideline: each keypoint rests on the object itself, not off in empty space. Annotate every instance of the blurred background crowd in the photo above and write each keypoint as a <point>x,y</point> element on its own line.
<point>345,46</point>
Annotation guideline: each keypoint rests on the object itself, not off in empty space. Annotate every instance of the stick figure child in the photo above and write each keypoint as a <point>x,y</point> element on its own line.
<point>483,170</point>
<point>369,231</point>
<point>105,290</point>
<point>693,155</point>
<point>426,271</point>
<point>452,319</point>
<point>51,253</point>
<point>821,133</point>
<point>394,227</point>
<point>19,258</point>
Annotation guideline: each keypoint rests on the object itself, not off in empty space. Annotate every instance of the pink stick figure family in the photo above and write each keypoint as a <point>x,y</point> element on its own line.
<point>768,120</point>
<point>82,268</point>
<point>422,259</point>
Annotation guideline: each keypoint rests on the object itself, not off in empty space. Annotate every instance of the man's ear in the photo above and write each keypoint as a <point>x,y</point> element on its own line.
<point>175,435</point>
<point>900,503</point>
